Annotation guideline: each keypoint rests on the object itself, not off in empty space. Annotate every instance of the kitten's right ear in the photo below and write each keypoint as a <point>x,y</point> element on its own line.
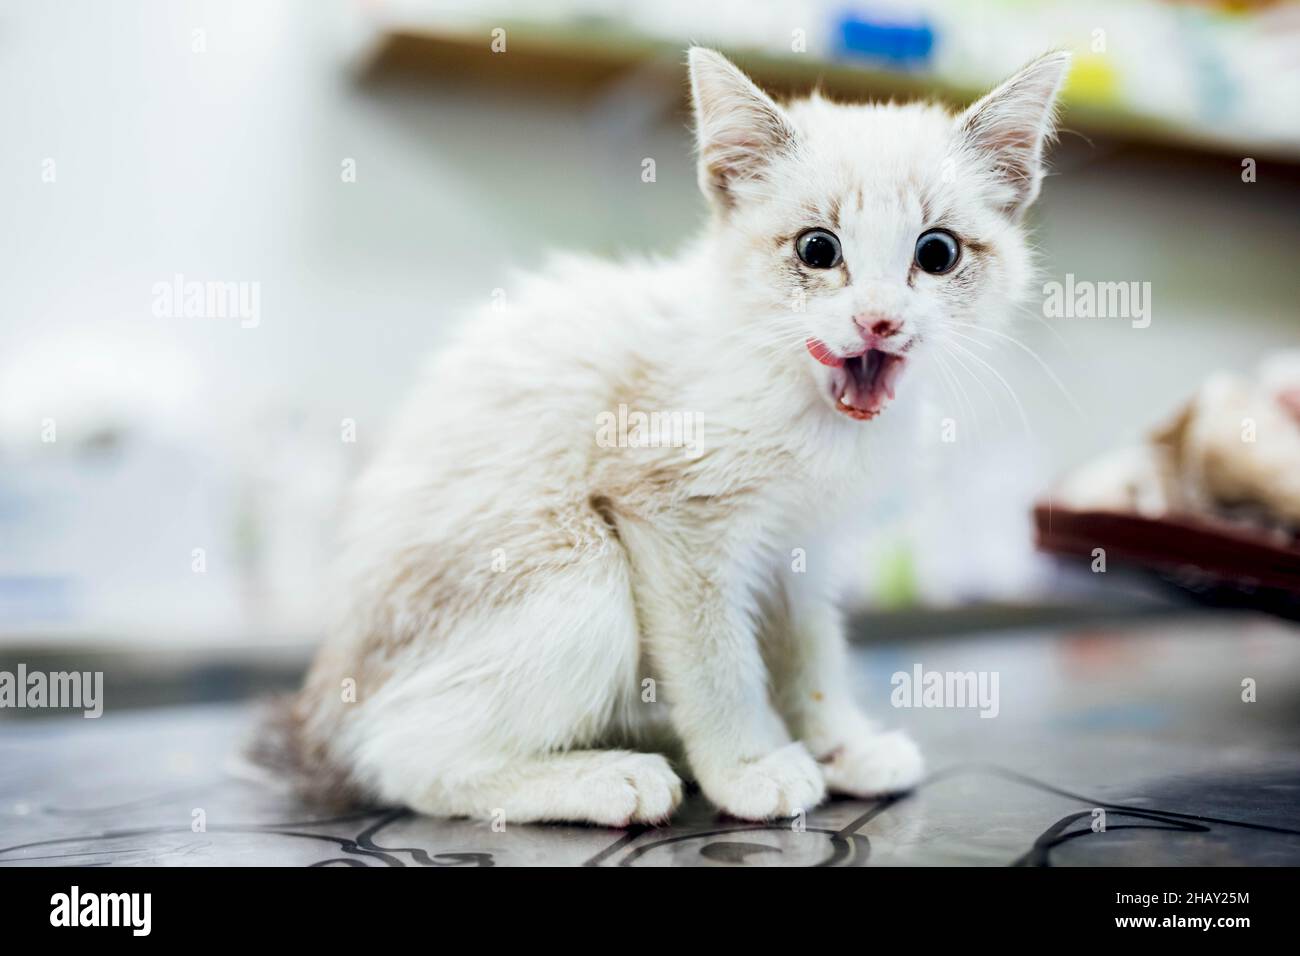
<point>738,127</point>
<point>1010,126</point>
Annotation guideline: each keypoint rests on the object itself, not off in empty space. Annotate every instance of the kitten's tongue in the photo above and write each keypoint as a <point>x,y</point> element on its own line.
<point>867,383</point>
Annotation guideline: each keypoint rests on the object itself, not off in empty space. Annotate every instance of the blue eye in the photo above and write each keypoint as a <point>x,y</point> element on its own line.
<point>818,249</point>
<point>937,251</point>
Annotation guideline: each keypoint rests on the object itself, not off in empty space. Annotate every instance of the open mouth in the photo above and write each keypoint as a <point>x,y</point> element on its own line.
<point>861,385</point>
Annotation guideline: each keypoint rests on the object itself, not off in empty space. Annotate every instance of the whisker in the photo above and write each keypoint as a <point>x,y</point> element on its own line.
<point>962,398</point>
<point>997,409</point>
<point>1005,384</point>
<point>1065,392</point>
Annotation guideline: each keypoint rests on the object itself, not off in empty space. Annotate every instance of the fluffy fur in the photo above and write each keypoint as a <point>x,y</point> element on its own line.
<point>508,583</point>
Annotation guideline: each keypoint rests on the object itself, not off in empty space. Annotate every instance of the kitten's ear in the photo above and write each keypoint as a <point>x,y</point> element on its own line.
<point>1010,125</point>
<point>738,128</point>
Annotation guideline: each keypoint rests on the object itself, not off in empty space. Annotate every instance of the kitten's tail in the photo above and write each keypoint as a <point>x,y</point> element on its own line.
<point>281,756</point>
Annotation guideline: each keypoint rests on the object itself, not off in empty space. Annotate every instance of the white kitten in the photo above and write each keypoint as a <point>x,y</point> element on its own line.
<point>519,596</point>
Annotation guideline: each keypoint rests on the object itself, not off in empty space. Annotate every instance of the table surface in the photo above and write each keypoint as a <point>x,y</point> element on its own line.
<point>1118,744</point>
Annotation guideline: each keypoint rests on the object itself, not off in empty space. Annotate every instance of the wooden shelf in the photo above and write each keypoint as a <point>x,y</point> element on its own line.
<point>581,61</point>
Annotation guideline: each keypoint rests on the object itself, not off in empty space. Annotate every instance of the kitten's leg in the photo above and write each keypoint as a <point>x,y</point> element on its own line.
<point>614,788</point>
<point>701,637</point>
<point>501,710</point>
<point>810,673</point>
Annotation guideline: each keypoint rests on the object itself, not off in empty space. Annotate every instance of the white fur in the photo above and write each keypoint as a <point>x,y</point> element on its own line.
<point>507,584</point>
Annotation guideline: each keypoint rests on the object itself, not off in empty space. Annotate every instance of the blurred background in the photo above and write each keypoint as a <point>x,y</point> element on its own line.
<point>355,174</point>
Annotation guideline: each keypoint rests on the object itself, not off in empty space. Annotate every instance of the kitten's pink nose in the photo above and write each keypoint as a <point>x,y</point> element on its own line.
<point>876,327</point>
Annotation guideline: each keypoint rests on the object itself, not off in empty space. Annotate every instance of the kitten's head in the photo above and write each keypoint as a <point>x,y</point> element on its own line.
<point>855,238</point>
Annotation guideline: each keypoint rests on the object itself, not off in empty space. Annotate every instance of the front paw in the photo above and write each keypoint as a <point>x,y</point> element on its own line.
<point>780,784</point>
<point>872,765</point>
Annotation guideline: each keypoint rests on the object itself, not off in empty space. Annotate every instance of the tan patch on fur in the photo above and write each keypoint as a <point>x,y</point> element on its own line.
<point>285,746</point>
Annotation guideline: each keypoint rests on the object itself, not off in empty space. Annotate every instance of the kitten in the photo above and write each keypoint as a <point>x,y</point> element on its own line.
<point>531,616</point>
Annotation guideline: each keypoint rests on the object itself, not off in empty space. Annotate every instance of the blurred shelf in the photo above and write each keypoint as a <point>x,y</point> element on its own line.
<point>878,626</point>
<point>581,59</point>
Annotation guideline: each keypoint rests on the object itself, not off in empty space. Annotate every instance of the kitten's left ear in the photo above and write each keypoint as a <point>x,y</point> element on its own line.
<point>1010,125</point>
<point>738,127</point>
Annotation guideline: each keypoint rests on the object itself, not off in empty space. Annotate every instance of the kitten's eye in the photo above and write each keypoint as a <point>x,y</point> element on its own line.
<point>818,248</point>
<point>937,251</point>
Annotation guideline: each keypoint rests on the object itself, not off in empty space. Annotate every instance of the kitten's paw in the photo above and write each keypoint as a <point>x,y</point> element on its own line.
<point>635,788</point>
<point>781,784</point>
<point>873,765</point>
